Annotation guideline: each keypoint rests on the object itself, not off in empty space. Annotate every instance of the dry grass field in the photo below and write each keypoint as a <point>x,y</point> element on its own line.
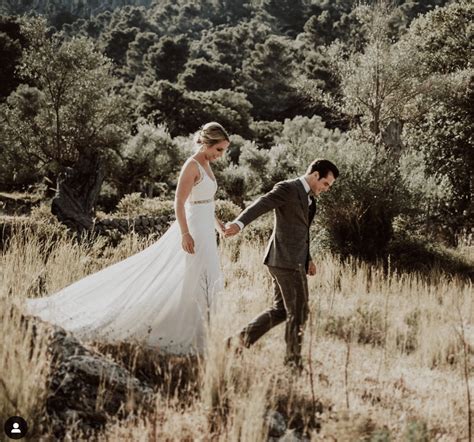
<point>386,357</point>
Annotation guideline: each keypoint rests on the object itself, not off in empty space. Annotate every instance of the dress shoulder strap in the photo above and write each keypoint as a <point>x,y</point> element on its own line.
<point>201,171</point>
<point>196,161</point>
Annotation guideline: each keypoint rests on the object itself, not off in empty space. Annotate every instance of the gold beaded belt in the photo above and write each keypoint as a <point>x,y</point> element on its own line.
<point>202,201</point>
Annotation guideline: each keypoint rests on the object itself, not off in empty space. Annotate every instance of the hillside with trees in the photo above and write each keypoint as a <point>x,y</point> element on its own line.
<point>290,81</point>
<point>99,105</point>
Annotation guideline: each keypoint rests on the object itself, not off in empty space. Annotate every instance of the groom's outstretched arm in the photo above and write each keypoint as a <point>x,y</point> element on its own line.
<point>279,195</point>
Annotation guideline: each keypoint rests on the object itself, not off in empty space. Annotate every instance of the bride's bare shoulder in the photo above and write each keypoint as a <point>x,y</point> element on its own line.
<point>190,167</point>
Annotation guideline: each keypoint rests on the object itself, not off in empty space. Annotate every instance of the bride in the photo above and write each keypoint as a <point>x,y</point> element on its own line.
<point>161,296</point>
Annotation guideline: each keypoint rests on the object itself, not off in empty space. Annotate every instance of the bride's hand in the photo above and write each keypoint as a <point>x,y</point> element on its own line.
<point>187,243</point>
<point>220,227</point>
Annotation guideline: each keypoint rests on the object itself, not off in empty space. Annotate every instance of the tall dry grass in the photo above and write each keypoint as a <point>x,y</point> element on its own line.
<point>404,379</point>
<point>24,369</point>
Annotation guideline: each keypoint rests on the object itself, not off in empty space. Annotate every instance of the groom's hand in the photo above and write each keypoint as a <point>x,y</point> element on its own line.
<point>220,227</point>
<point>311,268</point>
<point>231,230</point>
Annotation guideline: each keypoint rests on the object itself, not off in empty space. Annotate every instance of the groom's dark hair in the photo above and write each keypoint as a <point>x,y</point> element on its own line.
<point>323,167</point>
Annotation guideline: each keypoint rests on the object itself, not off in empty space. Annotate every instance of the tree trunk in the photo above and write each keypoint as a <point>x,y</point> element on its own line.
<point>392,136</point>
<point>76,194</point>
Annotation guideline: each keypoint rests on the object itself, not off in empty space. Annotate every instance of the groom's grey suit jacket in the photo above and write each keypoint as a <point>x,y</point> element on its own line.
<point>289,243</point>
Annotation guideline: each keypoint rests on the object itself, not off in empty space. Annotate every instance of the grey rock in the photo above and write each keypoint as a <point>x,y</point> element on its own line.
<point>293,436</point>
<point>82,377</point>
<point>276,424</point>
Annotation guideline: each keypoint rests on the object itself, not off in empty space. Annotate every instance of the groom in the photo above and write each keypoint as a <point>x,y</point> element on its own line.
<point>287,255</point>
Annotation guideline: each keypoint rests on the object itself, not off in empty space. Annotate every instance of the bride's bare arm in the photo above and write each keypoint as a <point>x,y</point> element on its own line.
<point>188,176</point>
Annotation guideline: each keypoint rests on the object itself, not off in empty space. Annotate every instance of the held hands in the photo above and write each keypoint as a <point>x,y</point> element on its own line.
<point>187,242</point>
<point>231,229</point>
<point>311,268</point>
<point>220,227</point>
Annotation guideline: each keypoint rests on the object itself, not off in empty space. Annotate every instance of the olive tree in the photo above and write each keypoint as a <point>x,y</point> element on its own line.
<point>68,120</point>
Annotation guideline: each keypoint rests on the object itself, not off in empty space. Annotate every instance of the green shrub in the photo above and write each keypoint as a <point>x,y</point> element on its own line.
<point>237,143</point>
<point>430,193</point>
<point>417,254</point>
<point>264,132</point>
<point>381,435</point>
<point>151,159</point>
<point>158,207</point>
<point>359,210</point>
<point>254,163</point>
<point>365,326</point>
<point>227,211</point>
<point>260,230</point>
<point>416,431</point>
<point>130,205</point>
<point>233,182</point>
<point>134,205</point>
<point>407,341</point>
<point>108,198</point>
<point>281,166</point>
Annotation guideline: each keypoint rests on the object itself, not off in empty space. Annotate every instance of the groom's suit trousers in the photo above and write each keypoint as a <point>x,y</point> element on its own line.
<point>290,304</point>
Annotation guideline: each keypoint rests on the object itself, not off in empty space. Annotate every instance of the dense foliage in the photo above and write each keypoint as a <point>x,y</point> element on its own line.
<point>383,91</point>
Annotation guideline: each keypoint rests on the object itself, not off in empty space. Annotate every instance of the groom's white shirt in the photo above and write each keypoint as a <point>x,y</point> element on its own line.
<point>306,188</point>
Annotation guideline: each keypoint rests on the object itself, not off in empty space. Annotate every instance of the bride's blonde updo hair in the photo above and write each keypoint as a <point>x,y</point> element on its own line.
<point>210,134</point>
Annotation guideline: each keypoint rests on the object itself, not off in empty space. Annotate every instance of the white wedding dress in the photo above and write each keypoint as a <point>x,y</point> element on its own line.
<point>160,297</point>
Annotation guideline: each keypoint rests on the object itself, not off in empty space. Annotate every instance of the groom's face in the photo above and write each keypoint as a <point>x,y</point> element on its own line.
<point>319,185</point>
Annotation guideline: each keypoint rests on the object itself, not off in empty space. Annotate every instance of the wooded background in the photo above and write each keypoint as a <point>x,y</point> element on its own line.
<point>100,102</point>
